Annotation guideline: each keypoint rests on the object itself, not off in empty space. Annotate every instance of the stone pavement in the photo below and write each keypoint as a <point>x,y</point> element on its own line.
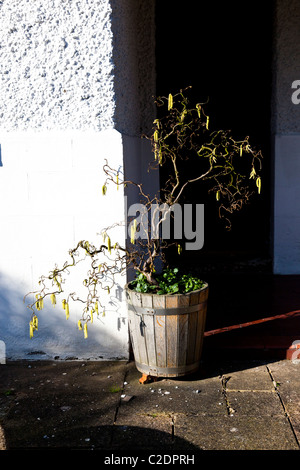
<point>227,405</point>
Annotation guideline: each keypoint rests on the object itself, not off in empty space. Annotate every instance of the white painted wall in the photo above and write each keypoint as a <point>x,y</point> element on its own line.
<point>66,102</point>
<point>50,188</point>
<point>286,138</point>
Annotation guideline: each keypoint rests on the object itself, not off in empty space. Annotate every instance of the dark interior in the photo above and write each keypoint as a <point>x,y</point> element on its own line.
<point>224,51</point>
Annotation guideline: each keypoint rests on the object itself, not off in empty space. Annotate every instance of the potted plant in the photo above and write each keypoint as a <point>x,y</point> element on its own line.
<point>166,308</point>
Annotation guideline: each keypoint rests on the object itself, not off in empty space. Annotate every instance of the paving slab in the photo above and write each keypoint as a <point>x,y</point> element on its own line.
<point>252,377</point>
<point>59,404</point>
<point>255,404</point>
<point>286,377</point>
<point>235,432</point>
<point>226,405</point>
<point>195,394</point>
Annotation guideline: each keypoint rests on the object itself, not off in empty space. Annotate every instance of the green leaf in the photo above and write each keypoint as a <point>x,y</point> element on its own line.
<point>169,282</point>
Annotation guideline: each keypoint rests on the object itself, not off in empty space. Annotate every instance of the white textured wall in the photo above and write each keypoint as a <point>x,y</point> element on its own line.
<point>286,138</point>
<point>50,188</point>
<point>56,65</point>
<point>58,123</point>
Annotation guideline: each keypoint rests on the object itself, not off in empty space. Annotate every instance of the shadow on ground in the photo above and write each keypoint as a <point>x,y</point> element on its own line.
<point>72,405</point>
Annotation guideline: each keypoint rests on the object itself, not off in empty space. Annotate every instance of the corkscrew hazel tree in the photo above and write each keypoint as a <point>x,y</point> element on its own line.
<point>180,133</point>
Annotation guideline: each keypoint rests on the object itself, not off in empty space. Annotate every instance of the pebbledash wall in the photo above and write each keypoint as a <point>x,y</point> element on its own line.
<point>77,81</point>
<point>286,137</point>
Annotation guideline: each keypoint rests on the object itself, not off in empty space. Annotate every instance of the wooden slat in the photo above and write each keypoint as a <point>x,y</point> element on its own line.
<point>194,298</point>
<point>192,332</point>
<point>141,341</point>
<point>147,300</point>
<point>133,335</point>
<point>203,296</point>
<point>150,339</point>
<point>172,340</point>
<point>172,332</point>
<point>172,301</point>
<point>183,300</point>
<point>159,301</point>
<point>183,324</point>
<point>160,336</point>
<point>136,299</point>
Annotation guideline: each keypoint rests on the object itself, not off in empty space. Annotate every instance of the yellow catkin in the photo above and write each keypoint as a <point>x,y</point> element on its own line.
<point>85,330</point>
<point>39,304</point>
<point>183,114</point>
<point>253,173</point>
<point>160,157</point>
<point>30,330</point>
<point>132,231</point>
<point>156,122</point>
<point>33,325</point>
<point>35,322</point>
<point>131,234</point>
<point>67,311</point>
<point>79,325</point>
<point>170,101</point>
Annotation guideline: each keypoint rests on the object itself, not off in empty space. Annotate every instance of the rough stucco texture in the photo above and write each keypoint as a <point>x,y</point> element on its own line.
<point>54,74</point>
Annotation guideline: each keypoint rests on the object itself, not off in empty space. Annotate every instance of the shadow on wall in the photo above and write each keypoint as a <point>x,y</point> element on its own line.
<point>58,338</point>
<point>133,28</point>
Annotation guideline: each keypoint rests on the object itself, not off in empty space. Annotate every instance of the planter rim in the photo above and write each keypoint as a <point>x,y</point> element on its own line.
<point>205,286</point>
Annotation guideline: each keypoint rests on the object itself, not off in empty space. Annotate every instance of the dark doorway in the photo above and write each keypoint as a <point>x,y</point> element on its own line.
<point>224,50</point>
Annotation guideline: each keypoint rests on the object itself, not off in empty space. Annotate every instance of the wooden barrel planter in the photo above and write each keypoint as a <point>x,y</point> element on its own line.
<point>167,331</point>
